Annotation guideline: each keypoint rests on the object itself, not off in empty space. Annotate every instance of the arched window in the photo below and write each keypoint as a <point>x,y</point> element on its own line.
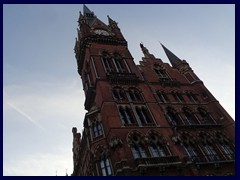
<point>107,63</point>
<point>191,152</point>
<point>227,151</point>
<point>208,148</point>
<point>190,147</point>
<point>126,116</point>
<point>190,117</point>
<point>103,163</point>
<point>157,150</point>
<point>158,145</point>
<point>178,97</point>
<point>205,117</point>
<point>105,167</point>
<point>210,152</point>
<point>134,94</point>
<point>224,146</point>
<point>143,115</point>
<point>160,72</point>
<point>163,97</point>
<point>119,94</point>
<point>137,147</point>
<point>138,151</point>
<point>172,117</point>
<point>192,97</point>
<point>118,62</point>
<point>97,129</point>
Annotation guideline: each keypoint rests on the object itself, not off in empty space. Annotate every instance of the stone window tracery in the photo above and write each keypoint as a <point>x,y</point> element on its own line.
<point>158,145</point>
<point>137,145</point>
<point>172,116</point>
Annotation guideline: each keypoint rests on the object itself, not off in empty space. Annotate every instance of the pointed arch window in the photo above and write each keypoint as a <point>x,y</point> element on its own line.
<point>134,95</point>
<point>172,117</point>
<point>105,167</point>
<point>190,118</point>
<point>227,151</point>
<point>97,129</point>
<point>210,152</point>
<point>143,115</point>
<point>160,72</point>
<point>137,148</point>
<point>157,150</point>
<point>120,64</point>
<point>119,94</point>
<point>178,97</point>
<point>206,118</point>
<point>192,97</point>
<point>138,151</point>
<point>191,151</point>
<point>107,64</point>
<point>158,145</point>
<point>126,115</point>
<point>163,97</point>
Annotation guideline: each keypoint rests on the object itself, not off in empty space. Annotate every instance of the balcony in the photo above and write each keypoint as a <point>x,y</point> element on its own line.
<point>121,167</point>
<point>211,159</point>
<point>122,78</point>
<point>184,123</point>
<point>157,161</point>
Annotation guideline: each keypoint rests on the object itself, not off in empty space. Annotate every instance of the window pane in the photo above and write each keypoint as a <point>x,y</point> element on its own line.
<point>135,152</point>
<point>104,172</point>
<point>109,170</point>
<point>154,151</point>
<point>102,164</point>
<point>142,151</point>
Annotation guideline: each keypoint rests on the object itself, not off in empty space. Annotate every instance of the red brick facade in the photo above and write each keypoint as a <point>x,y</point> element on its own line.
<point>147,119</point>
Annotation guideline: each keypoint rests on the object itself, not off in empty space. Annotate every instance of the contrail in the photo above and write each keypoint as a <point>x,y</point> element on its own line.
<point>25,115</point>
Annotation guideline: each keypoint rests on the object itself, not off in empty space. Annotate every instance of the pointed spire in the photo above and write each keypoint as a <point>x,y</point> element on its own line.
<point>89,16</point>
<point>86,10</point>
<point>172,57</point>
<point>111,22</point>
<point>144,50</point>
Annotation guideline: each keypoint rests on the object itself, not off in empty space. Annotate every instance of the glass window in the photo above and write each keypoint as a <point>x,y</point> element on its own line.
<point>97,129</point>
<point>228,152</point>
<point>161,73</point>
<point>157,150</point>
<point>172,118</point>
<point>210,152</point>
<point>125,115</point>
<point>105,167</point>
<point>163,98</point>
<point>142,115</point>
<point>138,151</point>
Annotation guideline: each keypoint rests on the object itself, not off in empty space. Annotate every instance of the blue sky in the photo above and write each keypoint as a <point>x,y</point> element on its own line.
<point>42,92</point>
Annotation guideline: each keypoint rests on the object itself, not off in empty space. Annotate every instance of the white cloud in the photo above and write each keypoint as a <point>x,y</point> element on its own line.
<point>56,107</point>
<point>25,115</point>
<point>38,164</point>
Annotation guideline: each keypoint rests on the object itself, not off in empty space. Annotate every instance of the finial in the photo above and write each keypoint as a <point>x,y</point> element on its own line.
<point>144,50</point>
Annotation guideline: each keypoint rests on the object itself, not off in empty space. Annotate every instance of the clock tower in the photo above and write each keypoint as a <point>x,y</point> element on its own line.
<point>148,119</point>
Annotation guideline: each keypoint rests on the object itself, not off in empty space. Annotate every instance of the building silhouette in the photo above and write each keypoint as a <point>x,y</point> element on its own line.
<point>147,119</point>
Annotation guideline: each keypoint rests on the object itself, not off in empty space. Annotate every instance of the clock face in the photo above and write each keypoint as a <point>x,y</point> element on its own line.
<point>101,32</point>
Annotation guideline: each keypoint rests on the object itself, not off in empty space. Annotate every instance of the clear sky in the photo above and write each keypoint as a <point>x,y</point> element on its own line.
<point>42,91</point>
